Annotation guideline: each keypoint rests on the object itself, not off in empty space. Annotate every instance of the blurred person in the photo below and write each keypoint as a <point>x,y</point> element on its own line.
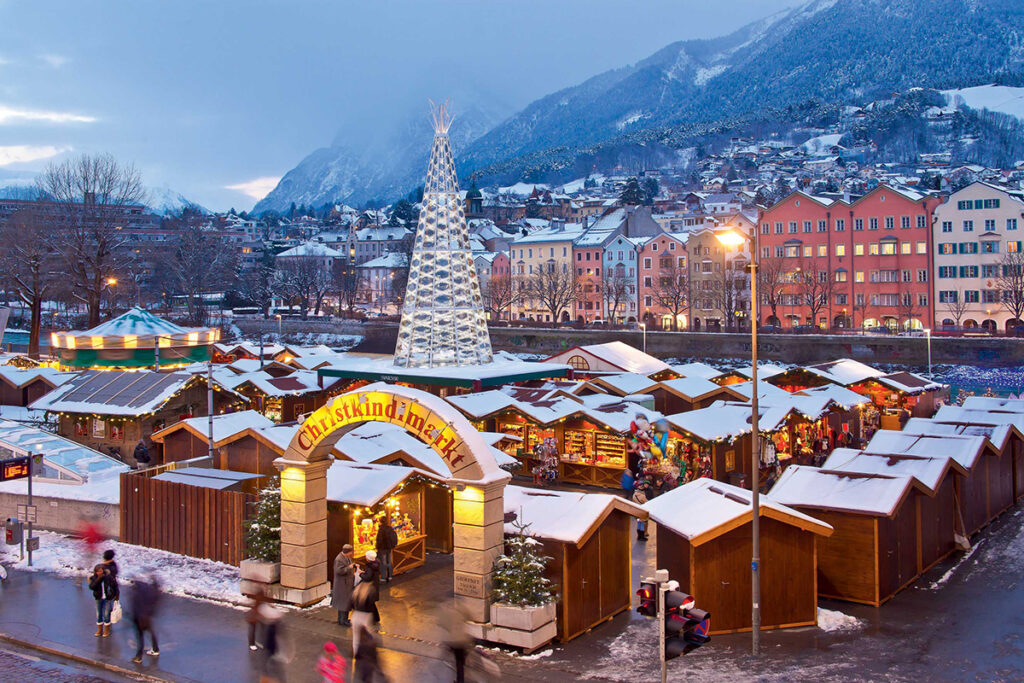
<point>145,595</point>
<point>344,582</point>
<point>458,641</point>
<point>371,575</point>
<point>89,536</point>
<point>274,645</point>
<point>387,540</point>
<point>331,665</point>
<point>252,617</point>
<point>364,606</point>
<point>367,664</point>
<point>105,591</point>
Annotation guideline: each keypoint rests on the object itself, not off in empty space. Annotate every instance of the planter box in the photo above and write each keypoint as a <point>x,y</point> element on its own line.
<point>260,572</point>
<point>522,618</point>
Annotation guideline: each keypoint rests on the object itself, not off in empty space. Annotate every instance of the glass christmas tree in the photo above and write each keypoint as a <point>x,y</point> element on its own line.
<point>443,319</point>
<point>518,577</point>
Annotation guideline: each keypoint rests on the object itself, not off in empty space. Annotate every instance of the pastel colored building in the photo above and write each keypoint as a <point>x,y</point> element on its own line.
<point>662,284</point>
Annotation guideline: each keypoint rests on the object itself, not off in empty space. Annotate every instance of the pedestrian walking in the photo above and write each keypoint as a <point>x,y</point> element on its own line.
<point>371,575</point>
<point>145,595</point>
<point>453,624</point>
<point>364,607</point>
<point>387,540</point>
<point>252,617</point>
<point>344,582</point>
<point>331,665</point>
<point>367,663</point>
<point>104,589</point>
<point>274,644</point>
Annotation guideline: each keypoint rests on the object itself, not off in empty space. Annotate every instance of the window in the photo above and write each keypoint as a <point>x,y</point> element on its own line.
<point>858,276</point>
<point>841,299</point>
<point>671,246</point>
<point>841,275</point>
<point>858,250</point>
<point>971,296</point>
<point>792,251</point>
<point>765,228</point>
<point>858,223</point>
<point>964,205</point>
<point>947,271</point>
<point>872,224</point>
<point>885,300</point>
<point>822,250</point>
<point>968,271</point>
<point>792,227</point>
<point>588,255</point>
<point>907,276</point>
<point>990,296</point>
<point>579,256</point>
<point>968,248</point>
<point>840,250</point>
<point>530,252</point>
<point>654,247</point>
<point>990,247</point>
<point>922,247</point>
<point>808,252</point>
<point>873,249</point>
<point>807,226</point>
<point>859,299</point>
<point>579,363</point>
<point>922,299</point>
<point>990,224</point>
<point>905,247</point>
<point>1011,223</point>
<point>778,228</point>
<point>890,223</point>
<point>991,204</point>
<point>766,252</point>
<point>1012,247</point>
<point>840,225</point>
<point>647,301</point>
<point>947,226</point>
<point>648,282</point>
<point>904,221</point>
<point>779,252</point>
<point>968,226</point>
<point>822,226</point>
<point>947,296</point>
<point>647,263</point>
<point>922,275</point>
<point>888,248</point>
<point>922,221</point>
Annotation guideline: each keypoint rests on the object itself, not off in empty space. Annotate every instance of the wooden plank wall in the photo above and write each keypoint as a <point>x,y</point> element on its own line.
<point>184,519</point>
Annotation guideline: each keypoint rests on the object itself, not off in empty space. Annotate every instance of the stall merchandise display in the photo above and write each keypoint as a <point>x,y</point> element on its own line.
<point>404,512</point>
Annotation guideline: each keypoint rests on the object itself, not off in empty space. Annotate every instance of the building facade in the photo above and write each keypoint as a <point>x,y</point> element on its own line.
<point>663,284</point>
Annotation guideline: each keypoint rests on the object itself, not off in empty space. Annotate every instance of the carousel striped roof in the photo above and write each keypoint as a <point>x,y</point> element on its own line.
<point>137,322</point>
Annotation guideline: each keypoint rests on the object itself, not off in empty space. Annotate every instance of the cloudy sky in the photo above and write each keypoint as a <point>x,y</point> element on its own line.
<point>217,100</point>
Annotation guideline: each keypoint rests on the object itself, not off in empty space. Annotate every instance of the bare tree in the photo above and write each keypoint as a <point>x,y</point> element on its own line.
<point>260,285</point>
<point>554,289</point>
<point>616,289</point>
<point>91,196</point>
<point>814,287</point>
<point>500,295</point>
<point>305,280</point>
<point>907,304</point>
<point>672,290</point>
<point>29,262</point>
<point>348,283</point>
<point>1011,283</point>
<point>772,283</point>
<point>200,263</point>
<point>957,307</point>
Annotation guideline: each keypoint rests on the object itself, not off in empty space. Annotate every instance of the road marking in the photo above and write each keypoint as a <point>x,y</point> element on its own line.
<point>20,655</point>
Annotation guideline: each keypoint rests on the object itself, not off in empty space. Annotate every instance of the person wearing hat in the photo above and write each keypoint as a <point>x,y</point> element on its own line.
<point>344,582</point>
<point>371,577</point>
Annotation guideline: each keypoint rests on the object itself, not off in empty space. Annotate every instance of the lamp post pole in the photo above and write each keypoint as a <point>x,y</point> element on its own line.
<point>643,327</point>
<point>928,335</point>
<point>755,461</point>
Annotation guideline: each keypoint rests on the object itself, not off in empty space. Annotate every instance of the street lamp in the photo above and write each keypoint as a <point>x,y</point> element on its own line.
<point>928,336</point>
<point>643,326</point>
<point>279,326</point>
<point>733,238</point>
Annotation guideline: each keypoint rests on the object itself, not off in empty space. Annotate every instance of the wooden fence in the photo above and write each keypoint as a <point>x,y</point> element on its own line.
<point>184,519</point>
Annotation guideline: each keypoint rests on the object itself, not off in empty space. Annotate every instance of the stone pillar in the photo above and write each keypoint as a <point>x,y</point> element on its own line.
<point>303,531</point>
<point>479,539</point>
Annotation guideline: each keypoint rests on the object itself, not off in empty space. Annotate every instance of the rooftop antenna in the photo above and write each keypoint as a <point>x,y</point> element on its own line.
<point>442,116</point>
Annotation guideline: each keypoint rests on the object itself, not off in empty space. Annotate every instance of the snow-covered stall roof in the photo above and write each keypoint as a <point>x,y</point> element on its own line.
<point>564,516</point>
<point>250,348</point>
<point>695,388</point>
<point>701,370</point>
<point>997,435</point>
<point>314,362</point>
<point>618,355</point>
<point>135,322</point>
<point>846,398</point>
<point>297,383</point>
<point>964,416</point>
<point>909,383</point>
<point>812,407</point>
<point>704,509</point>
<point>994,404</point>
<point>247,365</point>
<point>206,477</point>
<point>764,390</point>
<point>727,421</point>
<point>928,471</point>
<point>367,485</point>
<point>18,377</point>
<point>764,370</point>
<point>872,494</point>
<point>965,450</point>
<point>845,371</point>
<point>504,369</point>
<point>540,406</point>
<point>225,426</point>
<point>115,393</point>
<point>618,416</point>
<point>623,383</point>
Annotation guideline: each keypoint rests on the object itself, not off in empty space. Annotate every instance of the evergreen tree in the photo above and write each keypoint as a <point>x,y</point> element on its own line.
<point>632,193</point>
<point>519,573</point>
<point>651,188</point>
<point>263,537</point>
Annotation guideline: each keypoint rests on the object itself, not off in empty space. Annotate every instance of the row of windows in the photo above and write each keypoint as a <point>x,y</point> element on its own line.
<point>971,296</point>
<point>990,225</point>
<point>986,247</point>
<point>821,225</point>
<point>540,253</point>
<point>968,204</point>
<point>886,248</point>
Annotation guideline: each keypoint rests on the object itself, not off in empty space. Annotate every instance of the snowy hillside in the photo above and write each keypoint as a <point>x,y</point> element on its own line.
<point>998,98</point>
<point>164,200</point>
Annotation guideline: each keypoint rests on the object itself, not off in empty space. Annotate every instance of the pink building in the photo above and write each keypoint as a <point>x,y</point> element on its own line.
<point>663,288</point>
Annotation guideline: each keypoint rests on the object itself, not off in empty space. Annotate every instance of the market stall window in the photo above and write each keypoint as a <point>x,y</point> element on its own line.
<point>116,432</point>
<point>81,428</point>
<point>404,511</point>
<point>99,429</point>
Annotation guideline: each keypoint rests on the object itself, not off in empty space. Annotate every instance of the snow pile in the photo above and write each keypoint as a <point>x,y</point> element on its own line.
<point>999,98</point>
<point>831,621</point>
<point>952,570</point>
<point>178,574</point>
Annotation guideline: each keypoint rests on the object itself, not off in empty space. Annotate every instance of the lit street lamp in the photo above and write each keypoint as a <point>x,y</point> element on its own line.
<point>732,238</point>
<point>279,326</point>
<point>928,336</point>
<point>643,326</point>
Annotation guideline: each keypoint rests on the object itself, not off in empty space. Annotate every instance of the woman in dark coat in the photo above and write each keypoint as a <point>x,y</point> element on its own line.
<point>344,582</point>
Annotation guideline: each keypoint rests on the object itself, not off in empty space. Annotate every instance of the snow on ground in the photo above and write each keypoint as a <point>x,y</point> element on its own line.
<point>178,574</point>
<point>831,620</point>
<point>998,98</point>
<point>939,582</point>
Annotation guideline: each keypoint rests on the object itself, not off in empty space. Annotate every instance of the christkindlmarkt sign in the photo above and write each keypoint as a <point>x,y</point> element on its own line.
<point>435,430</point>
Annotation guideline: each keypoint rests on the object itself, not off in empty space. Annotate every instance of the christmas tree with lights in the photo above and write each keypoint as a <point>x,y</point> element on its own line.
<point>518,578</point>
<point>263,537</point>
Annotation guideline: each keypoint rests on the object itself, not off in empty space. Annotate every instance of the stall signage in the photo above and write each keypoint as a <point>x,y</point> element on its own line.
<point>15,468</point>
<point>377,406</point>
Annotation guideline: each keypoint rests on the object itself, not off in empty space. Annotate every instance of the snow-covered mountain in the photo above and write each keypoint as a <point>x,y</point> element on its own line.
<point>164,200</point>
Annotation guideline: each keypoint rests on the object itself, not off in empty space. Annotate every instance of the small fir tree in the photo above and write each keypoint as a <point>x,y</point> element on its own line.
<point>263,537</point>
<point>519,573</point>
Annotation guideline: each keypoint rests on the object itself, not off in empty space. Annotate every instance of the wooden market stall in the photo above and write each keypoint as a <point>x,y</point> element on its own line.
<point>595,442</point>
<point>688,393</point>
<point>587,535</point>
<point>190,438</point>
<point>360,495</point>
<point>872,552</point>
<point>287,398</point>
<point>1008,437</point>
<point>704,537</point>
<point>22,386</point>
<point>613,357</point>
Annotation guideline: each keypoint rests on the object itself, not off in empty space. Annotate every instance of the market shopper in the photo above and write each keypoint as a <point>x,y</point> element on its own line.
<point>252,617</point>
<point>371,576</point>
<point>387,541</point>
<point>364,607</point>
<point>344,582</point>
<point>104,588</point>
<point>145,594</point>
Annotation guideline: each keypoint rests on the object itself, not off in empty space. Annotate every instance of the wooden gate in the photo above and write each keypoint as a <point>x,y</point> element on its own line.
<point>184,519</point>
